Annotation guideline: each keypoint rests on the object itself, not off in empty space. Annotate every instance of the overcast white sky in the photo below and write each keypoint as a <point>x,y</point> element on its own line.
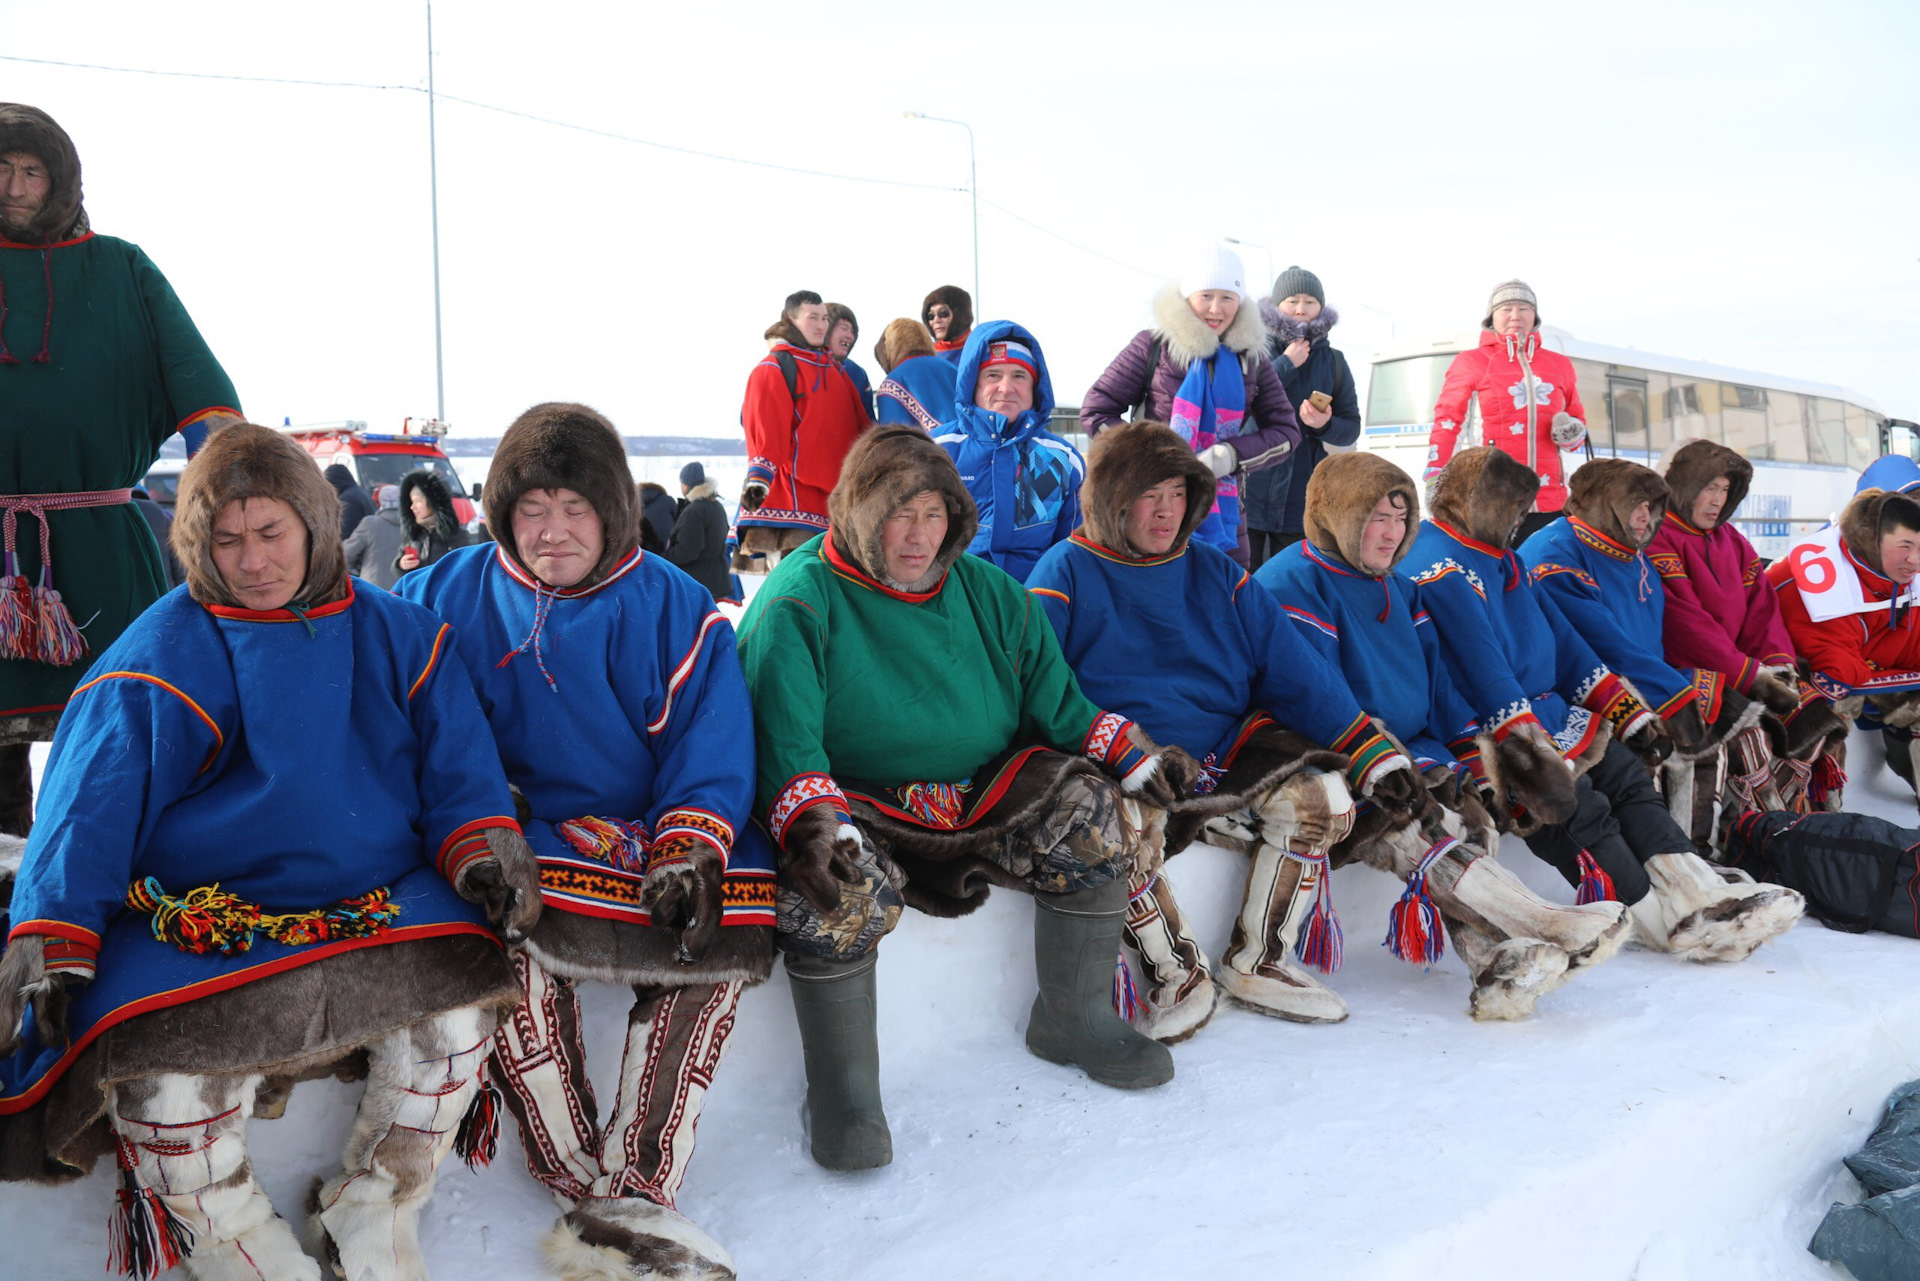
<point>1729,182</point>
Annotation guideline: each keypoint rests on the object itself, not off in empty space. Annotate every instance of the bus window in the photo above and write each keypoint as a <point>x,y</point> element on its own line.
<point>1627,407</point>
<point>1693,408</point>
<point>1863,436</point>
<point>1659,422</point>
<point>1826,432</point>
<point>1743,419</point>
<point>1591,379</point>
<point>1787,427</point>
<point>1403,392</point>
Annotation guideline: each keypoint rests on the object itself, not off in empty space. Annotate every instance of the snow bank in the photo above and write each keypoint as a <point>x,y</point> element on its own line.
<point>1656,1120</point>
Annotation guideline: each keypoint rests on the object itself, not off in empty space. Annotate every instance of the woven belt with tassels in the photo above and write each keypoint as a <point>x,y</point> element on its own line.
<point>209,919</point>
<point>34,622</point>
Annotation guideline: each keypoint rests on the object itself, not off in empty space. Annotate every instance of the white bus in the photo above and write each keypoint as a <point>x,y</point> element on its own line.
<point>1807,441</point>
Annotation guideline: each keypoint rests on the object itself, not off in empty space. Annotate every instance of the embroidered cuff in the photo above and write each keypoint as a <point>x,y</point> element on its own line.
<point>699,825</point>
<point>1360,777</point>
<point>760,471</point>
<point>467,843</point>
<point>1514,720</point>
<point>676,852</point>
<point>1468,754</point>
<point>1109,743</point>
<point>803,792</point>
<point>70,949</point>
<point>1610,698</point>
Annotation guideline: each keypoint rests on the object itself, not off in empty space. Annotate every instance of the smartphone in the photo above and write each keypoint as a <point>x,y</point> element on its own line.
<point>1320,400</point>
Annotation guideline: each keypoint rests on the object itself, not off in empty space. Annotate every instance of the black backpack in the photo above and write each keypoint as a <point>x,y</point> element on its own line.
<point>1154,349</point>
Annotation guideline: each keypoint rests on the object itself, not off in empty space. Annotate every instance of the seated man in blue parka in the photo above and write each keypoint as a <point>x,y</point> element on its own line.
<point>266,810</point>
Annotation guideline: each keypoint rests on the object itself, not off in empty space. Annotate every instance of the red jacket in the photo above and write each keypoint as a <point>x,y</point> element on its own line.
<point>1855,653</point>
<point>1496,371</point>
<point>795,445</point>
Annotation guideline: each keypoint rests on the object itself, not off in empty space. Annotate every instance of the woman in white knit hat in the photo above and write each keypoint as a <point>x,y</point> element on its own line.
<point>1203,369</point>
<point>1529,400</point>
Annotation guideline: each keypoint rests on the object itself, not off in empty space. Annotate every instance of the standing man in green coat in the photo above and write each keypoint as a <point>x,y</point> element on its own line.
<point>99,365</point>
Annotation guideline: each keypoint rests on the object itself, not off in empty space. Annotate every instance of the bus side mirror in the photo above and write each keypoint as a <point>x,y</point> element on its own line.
<point>477,487</point>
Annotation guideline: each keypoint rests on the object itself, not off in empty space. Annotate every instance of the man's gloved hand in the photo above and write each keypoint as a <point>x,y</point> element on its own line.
<point>819,855</point>
<point>1220,459</point>
<point>1396,788</point>
<point>1646,734</point>
<point>1779,689</point>
<point>752,494</point>
<point>1567,430</point>
<point>25,981</point>
<point>1167,775</point>
<point>505,882</point>
<point>682,891</point>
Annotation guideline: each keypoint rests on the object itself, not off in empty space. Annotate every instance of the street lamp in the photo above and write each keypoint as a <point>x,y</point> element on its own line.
<point>973,187</point>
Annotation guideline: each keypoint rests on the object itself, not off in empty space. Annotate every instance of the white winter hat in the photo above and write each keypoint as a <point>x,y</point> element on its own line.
<point>1216,267</point>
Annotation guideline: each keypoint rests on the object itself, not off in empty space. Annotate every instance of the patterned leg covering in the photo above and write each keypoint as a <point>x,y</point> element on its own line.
<point>420,1082</point>
<point>1692,790</point>
<point>182,1147</point>
<point>1180,995</point>
<point>1749,782</point>
<point>1285,888</point>
<point>626,1225</point>
<point>540,1061</point>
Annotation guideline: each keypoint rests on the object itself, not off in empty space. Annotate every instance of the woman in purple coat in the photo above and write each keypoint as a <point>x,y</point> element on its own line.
<point>1203,369</point>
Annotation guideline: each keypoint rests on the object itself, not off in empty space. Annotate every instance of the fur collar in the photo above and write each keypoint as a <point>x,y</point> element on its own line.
<point>1187,337</point>
<point>1286,329</point>
<point>1699,463</point>
<point>1124,462</point>
<point>707,489</point>
<point>1605,491</point>
<point>242,461</point>
<point>1341,496</point>
<point>1483,492</point>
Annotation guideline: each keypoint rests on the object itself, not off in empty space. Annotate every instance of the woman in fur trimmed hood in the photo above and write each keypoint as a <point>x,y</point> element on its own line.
<point>1550,713</point>
<point>219,927</point>
<point>1203,369</point>
<point>429,527</point>
<point>921,739</point>
<point>621,716</point>
<point>947,313</point>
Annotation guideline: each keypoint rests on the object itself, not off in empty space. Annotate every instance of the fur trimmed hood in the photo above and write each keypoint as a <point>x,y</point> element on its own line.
<point>706,489</point>
<point>1605,491</point>
<point>961,303</point>
<point>785,331</point>
<point>1126,461</point>
<point>1188,339</point>
<point>1699,463</point>
<point>887,466</point>
<point>63,217</point>
<point>1860,526</point>
<point>1286,329</point>
<point>557,445</point>
<point>901,341</point>
<point>1483,492</point>
<point>446,524</point>
<point>1341,495</point>
<point>242,461</point>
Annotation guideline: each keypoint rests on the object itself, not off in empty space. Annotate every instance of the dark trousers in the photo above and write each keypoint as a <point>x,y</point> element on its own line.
<point>1620,820</point>
<point>1532,523</point>
<point>1262,544</point>
<point>16,789</point>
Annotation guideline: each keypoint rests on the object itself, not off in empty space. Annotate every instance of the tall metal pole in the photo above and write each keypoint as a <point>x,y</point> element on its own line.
<point>433,178</point>
<point>973,189</point>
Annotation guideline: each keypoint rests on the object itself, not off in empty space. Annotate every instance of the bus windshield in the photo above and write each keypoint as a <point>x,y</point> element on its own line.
<point>389,469</point>
<point>1403,392</point>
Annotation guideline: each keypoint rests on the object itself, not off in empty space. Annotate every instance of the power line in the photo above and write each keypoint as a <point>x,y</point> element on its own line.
<point>209,75</point>
<point>1068,240</point>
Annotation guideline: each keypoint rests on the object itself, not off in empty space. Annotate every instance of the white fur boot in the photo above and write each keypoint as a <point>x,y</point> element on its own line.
<point>1483,888</point>
<point>182,1143</point>
<point>608,1239</point>
<point>1698,915</point>
<point>420,1082</point>
<point>1180,994</point>
<point>1509,975</point>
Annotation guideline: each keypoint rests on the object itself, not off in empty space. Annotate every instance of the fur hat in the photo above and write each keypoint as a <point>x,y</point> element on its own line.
<point>959,301</point>
<point>1341,495</point>
<point>839,311</point>
<point>1483,492</point>
<point>1605,492</point>
<point>1298,280</point>
<point>242,461</point>
<point>887,466</point>
<point>1512,291</point>
<point>446,523</point>
<point>1124,462</point>
<point>901,341</point>
<point>1699,463</point>
<point>1215,267</point>
<point>1865,519</point>
<point>565,446</point>
<point>29,129</point>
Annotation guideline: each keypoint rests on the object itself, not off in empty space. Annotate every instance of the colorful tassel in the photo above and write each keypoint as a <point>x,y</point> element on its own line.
<point>1126,998</point>
<point>209,919</point>
<point>612,841</point>
<point>145,1237</point>
<point>57,642</point>
<point>477,1140</point>
<point>1595,885</point>
<point>1414,932</point>
<point>18,625</point>
<point>1828,781</point>
<point>935,804</point>
<point>1320,944</point>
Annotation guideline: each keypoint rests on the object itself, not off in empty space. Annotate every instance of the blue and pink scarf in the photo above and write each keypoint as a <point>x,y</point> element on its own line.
<point>1211,406</point>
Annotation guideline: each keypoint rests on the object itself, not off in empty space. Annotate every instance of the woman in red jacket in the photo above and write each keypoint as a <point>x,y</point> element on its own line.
<point>1529,400</point>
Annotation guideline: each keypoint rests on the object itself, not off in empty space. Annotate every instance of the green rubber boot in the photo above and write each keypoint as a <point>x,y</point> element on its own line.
<point>834,1001</point>
<point>1075,940</point>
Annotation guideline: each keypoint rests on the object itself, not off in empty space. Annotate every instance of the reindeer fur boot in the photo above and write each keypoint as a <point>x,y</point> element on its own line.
<point>1509,975</point>
<point>624,1238</point>
<point>1180,995</point>
<point>1698,915</point>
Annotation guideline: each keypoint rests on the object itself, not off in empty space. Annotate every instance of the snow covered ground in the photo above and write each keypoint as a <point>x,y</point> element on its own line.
<point>1656,1121</point>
